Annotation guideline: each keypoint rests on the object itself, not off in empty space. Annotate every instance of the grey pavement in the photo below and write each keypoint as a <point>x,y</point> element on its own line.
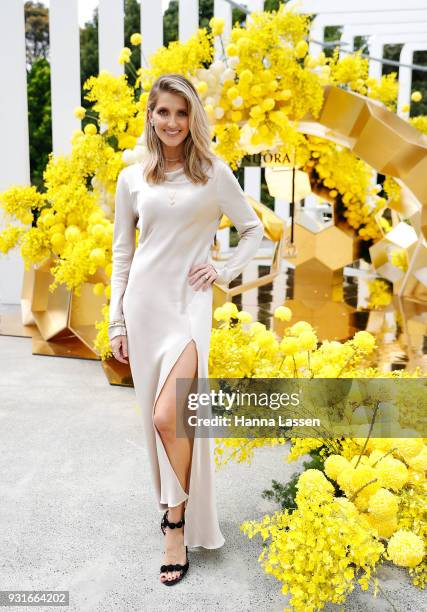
<point>78,513</point>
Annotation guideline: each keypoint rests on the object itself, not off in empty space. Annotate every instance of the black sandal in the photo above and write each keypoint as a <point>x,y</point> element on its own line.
<point>166,523</point>
<point>177,567</point>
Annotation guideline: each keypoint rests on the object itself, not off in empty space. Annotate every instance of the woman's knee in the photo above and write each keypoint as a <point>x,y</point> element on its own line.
<point>164,419</point>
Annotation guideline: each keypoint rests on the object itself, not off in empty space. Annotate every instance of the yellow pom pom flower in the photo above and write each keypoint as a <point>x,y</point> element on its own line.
<point>289,346</point>
<point>136,39</point>
<point>307,341</point>
<point>405,548</point>
<point>334,464</point>
<point>217,26</point>
<point>383,505</point>
<point>98,289</point>
<point>300,327</point>
<point>283,313</point>
<point>416,96</point>
<point>301,49</point>
<point>90,129</point>
<point>97,256</point>
<point>202,87</point>
<point>364,341</point>
<point>244,316</point>
<point>392,473</point>
<point>72,233</point>
<point>80,112</point>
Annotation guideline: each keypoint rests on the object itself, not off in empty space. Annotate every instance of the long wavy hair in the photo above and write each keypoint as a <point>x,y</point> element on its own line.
<point>198,156</point>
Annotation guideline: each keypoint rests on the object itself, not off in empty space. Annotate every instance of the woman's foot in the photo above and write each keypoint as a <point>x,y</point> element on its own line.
<point>174,548</point>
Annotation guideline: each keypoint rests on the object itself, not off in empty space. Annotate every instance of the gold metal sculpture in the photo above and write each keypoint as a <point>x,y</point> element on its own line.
<point>389,144</point>
<point>274,230</point>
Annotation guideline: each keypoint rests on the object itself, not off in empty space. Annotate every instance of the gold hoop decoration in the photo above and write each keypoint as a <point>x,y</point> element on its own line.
<point>391,146</point>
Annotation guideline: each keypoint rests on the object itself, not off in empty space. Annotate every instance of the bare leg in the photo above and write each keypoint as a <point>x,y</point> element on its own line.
<point>179,451</point>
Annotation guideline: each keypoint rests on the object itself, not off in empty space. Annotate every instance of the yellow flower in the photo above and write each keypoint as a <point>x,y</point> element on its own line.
<point>334,464</point>
<point>258,327</point>
<point>136,39</point>
<point>301,49</point>
<point>283,313</point>
<point>231,50</point>
<point>72,233</point>
<point>244,317</point>
<point>299,327</point>
<point>405,108</point>
<point>289,345</point>
<point>90,129</point>
<point>364,341</point>
<point>80,112</point>
<point>405,548</point>
<point>98,289</point>
<point>392,473</point>
<point>217,26</point>
<point>383,505</point>
<point>308,341</point>
<point>202,87</point>
<point>416,96</point>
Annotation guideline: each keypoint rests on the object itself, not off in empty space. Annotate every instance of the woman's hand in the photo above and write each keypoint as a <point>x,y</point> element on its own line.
<point>119,345</point>
<point>202,276</point>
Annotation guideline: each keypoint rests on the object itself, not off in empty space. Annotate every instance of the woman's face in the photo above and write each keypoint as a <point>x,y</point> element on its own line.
<point>170,117</point>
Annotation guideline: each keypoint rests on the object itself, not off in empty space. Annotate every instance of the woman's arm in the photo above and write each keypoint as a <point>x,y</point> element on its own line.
<point>235,206</point>
<point>123,249</point>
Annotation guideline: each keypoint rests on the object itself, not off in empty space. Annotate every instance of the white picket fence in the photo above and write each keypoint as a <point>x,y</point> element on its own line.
<point>383,20</point>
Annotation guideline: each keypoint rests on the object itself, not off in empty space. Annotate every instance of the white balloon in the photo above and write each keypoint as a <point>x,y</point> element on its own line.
<point>217,67</point>
<point>219,112</point>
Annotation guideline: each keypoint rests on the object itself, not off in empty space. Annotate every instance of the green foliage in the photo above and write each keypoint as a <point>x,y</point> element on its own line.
<point>36,31</point>
<point>170,23</point>
<point>284,494</point>
<point>39,119</point>
<point>89,51</point>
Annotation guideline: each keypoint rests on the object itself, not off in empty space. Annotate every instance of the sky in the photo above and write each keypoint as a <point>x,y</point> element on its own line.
<point>86,8</point>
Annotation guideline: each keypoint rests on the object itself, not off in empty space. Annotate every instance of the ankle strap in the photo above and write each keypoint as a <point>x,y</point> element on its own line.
<point>167,523</point>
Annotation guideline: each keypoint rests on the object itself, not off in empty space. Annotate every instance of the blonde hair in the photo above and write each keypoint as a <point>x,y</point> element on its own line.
<point>197,153</point>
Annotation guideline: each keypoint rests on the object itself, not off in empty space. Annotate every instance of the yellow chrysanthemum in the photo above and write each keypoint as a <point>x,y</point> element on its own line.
<point>405,548</point>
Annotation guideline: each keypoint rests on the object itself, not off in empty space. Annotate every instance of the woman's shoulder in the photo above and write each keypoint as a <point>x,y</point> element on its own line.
<point>219,166</point>
<point>132,175</point>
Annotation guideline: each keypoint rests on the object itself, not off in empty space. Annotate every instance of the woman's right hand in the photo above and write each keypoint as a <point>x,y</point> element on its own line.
<point>119,346</point>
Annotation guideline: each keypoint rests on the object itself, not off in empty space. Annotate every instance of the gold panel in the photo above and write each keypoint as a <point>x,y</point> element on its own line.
<point>50,310</point>
<point>332,246</point>
<point>273,224</point>
<point>85,310</point>
<point>331,320</point>
<point>313,280</point>
<point>64,344</point>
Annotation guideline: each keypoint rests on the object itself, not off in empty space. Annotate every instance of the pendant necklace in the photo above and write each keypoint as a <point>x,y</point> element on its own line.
<point>171,194</point>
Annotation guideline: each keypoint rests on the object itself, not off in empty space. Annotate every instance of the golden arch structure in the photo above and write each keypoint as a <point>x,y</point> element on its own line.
<point>391,146</point>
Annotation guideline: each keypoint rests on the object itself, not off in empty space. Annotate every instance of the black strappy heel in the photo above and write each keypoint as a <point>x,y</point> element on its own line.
<point>177,567</point>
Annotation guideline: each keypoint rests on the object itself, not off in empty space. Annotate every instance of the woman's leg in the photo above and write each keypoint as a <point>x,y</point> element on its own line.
<point>178,449</point>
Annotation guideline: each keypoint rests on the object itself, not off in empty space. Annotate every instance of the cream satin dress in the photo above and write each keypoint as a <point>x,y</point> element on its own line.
<point>162,312</point>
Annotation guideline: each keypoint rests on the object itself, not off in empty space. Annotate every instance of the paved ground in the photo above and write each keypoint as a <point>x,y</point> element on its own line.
<point>77,511</point>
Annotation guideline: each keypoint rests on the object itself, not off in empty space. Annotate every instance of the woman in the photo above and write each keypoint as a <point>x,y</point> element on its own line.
<point>161,299</point>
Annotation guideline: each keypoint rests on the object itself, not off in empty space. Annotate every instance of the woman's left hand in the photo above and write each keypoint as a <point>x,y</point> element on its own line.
<point>202,276</point>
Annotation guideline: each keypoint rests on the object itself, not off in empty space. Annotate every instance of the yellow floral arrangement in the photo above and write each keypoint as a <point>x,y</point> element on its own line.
<point>365,506</point>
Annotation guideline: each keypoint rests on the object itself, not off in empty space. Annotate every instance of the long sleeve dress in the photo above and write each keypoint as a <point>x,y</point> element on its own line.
<point>161,312</point>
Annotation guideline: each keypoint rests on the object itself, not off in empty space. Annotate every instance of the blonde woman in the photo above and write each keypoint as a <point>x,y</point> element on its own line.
<point>161,299</point>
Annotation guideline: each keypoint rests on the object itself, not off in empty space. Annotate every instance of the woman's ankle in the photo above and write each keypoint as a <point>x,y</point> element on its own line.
<point>176,513</point>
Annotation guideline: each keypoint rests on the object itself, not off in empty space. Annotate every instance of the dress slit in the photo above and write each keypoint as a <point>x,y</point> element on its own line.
<point>171,490</point>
